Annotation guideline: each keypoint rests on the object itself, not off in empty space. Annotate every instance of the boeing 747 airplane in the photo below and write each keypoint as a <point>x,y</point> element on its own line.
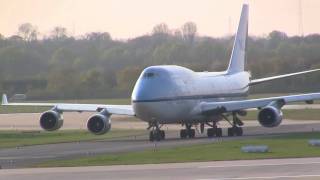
<point>170,94</point>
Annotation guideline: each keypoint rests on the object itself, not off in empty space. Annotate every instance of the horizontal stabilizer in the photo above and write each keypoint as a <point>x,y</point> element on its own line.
<point>262,80</point>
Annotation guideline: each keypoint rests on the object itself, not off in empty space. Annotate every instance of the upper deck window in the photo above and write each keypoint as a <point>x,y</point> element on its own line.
<point>149,75</point>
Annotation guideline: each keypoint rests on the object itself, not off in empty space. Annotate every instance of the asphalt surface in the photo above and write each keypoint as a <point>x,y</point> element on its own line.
<point>303,168</point>
<point>28,155</point>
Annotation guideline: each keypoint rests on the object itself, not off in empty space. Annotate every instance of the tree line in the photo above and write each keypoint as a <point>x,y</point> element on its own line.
<point>94,65</point>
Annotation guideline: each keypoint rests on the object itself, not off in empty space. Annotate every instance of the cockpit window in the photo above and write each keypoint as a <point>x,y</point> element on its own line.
<point>148,75</point>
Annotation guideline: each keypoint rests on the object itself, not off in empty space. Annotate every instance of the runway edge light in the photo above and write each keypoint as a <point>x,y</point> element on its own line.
<point>255,149</point>
<point>4,99</point>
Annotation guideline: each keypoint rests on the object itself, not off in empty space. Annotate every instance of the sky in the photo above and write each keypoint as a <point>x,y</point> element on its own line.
<point>125,19</point>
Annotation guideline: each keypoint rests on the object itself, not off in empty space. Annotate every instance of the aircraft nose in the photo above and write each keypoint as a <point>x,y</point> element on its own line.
<point>153,84</point>
<point>145,91</point>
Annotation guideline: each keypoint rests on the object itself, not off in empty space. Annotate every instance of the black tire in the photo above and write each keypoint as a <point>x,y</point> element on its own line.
<point>210,132</point>
<point>239,131</point>
<point>162,134</point>
<point>191,133</point>
<point>218,132</point>
<point>157,135</point>
<point>151,137</point>
<point>183,134</point>
<point>230,132</point>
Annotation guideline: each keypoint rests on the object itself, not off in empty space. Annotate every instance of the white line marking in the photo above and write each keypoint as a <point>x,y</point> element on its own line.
<point>255,165</point>
<point>266,177</point>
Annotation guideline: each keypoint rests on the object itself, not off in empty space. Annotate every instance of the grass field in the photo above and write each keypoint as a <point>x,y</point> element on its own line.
<point>286,146</point>
<point>26,138</point>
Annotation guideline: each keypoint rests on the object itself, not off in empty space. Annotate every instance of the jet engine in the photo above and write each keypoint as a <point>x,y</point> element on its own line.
<point>51,120</point>
<point>270,116</point>
<point>99,124</point>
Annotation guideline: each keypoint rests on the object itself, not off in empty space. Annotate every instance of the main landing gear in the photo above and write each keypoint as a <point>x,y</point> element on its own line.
<point>236,129</point>
<point>188,132</point>
<point>156,134</point>
<point>214,130</point>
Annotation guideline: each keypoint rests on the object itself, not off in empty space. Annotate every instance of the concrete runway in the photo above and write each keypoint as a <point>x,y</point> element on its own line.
<point>302,168</point>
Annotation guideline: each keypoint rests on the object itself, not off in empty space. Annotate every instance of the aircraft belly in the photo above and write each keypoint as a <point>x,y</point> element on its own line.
<point>164,112</point>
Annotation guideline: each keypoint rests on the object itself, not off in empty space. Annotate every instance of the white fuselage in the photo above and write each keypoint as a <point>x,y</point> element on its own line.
<point>169,94</point>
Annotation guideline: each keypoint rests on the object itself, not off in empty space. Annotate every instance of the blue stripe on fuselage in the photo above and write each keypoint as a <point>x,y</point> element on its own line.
<point>194,97</point>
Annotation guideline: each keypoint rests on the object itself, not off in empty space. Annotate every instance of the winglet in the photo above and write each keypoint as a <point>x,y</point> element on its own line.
<point>4,99</point>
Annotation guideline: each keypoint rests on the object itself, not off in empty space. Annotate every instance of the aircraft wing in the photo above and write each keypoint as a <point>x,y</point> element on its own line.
<point>258,81</point>
<point>68,107</point>
<point>208,108</point>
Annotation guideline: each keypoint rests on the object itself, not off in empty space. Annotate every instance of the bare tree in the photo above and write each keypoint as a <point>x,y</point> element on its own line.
<point>189,31</point>
<point>161,28</point>
<point>98,36</point>
<point>28,32</point>
<point>59,33</point>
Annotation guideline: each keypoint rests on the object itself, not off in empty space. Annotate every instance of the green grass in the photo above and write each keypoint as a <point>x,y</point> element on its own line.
<point>26,138</point>
<point>287,146</point>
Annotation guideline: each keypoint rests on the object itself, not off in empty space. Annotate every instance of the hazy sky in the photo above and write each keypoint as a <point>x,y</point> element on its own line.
<point>131,18</point>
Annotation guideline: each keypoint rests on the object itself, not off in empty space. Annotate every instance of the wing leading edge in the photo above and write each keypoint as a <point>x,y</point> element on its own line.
<point>230,106</point>
<point>67,107</point>
<point>258,81</point>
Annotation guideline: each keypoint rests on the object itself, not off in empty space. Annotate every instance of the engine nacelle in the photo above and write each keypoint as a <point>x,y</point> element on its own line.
<point>99,124</point>
<point>270,116</point>
<point>51,120</point>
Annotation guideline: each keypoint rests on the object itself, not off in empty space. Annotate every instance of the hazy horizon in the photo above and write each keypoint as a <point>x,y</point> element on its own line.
<point>128,19</point>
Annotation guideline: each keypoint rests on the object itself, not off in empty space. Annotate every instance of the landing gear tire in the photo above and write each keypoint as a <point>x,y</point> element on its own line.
<point>219,132</point>
<point>191,133</point>
<point>230,132</point>
<point>187,133</point>
<point>151,137</point>
<point>235,131</point>
<point>157,135</point>
<point>162,134</point>
<point>183,133</point>
<point>211,132</point>
<point>239,131</point>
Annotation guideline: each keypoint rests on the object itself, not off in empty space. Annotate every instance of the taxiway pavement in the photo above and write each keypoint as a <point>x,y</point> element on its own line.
<point>301,168</point>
